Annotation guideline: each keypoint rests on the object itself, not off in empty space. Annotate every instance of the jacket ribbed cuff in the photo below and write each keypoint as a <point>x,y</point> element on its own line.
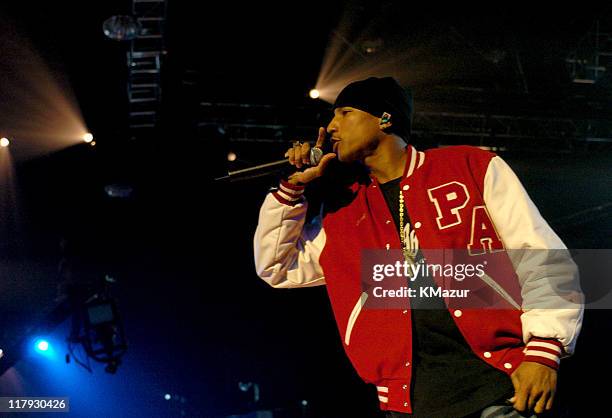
<point>544,351</point>
<point>289,194</point>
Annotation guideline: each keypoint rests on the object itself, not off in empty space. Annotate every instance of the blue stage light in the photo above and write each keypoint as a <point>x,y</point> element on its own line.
<point>42,345</point>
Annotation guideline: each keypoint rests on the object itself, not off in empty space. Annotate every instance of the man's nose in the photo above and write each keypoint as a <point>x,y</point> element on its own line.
<point>332,127</point>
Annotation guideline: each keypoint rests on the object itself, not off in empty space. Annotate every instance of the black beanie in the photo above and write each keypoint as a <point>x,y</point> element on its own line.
<point>378,95</point>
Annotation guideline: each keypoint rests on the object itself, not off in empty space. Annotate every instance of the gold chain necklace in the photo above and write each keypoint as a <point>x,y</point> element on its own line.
<point>408,252</point>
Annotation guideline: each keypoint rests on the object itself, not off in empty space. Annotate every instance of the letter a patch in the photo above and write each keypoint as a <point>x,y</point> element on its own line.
<point>484,237</point>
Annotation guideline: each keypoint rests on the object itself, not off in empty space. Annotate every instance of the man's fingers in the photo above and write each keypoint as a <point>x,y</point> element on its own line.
<point>517,400</point>
<point>305,153</point>
<point>520,401</point>
<point>534,386</point>
<point>297,154</point>
<point>540,406</point>
<point>549,404</point>
<point>290,154</point>
<point>321,138</point>
<point>515,382</point>
<point>534,399</point>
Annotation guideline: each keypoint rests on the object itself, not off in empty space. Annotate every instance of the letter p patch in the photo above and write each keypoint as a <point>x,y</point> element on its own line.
<point>449,198</point>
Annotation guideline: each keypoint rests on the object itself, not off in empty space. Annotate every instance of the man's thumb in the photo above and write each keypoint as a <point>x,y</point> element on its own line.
<point>515,382</point>
<point>325,160</point>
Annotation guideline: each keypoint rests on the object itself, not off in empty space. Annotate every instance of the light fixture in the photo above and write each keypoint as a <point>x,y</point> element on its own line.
<point>42,345</point>
<point>121,28</point>
<point>119,190</point>
<point>4,142</point>
<point>314,94</point>
<point>88,137</point>
<point>99,329</point>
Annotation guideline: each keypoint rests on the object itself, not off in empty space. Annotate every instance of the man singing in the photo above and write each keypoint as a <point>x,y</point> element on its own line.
<point>442,361</point>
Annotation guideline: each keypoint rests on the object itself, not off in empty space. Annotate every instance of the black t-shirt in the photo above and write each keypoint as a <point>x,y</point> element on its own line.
<point>448,379</point>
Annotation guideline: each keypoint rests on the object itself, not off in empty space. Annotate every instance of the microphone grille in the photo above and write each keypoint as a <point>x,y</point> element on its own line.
<point>315,156</point>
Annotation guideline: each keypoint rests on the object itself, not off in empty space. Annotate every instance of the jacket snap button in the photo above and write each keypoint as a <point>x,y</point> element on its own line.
<point>406,187</point>
<point>507,365</point>
<point>405,387</point>
<point>487,354</point>
<point>458,313</point>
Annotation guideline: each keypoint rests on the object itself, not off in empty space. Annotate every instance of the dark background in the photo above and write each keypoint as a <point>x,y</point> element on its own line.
<point>197,318</point>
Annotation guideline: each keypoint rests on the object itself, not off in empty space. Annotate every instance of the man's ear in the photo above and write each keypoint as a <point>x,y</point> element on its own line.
<point>385,121</point>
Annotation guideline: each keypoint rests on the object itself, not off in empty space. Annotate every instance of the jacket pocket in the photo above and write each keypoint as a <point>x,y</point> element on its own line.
<point>500,291</point>
<point>353,317</point>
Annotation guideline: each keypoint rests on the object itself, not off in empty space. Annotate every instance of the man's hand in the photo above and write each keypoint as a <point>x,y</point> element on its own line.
<point>534,387</point>
<point>299,156</point>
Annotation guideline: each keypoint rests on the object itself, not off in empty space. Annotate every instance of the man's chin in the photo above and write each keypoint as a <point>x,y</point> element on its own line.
<point>349,158</point>
<point>345,157</point>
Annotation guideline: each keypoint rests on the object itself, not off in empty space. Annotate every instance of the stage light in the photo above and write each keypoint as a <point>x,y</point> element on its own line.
<point>98,328</point>
<point>1,353</point>
<point>119,190</point>
<point>4,142</point>
<point>314,94</point>
<point>167,396</point>
<point>88,137</point>
<point>231,156</point>
<point>42,345</point>
<point>121,28</point>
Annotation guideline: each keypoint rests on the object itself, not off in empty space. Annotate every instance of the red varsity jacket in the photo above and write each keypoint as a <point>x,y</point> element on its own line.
<point>459,198</point>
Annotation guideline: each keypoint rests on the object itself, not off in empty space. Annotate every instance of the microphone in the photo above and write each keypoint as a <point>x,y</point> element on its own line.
<point>264,169</point>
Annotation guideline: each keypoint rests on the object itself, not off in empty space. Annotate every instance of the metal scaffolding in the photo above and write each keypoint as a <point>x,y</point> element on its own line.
<point>273,124</point>
<point>592,58</point>
<point>144,59</point>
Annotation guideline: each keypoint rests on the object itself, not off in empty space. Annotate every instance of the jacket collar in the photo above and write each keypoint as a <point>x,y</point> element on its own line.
<point>414,161</point>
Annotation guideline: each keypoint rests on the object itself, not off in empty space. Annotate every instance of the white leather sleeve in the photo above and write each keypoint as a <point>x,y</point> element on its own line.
<point>286,250</point>
<point>553,303</point>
